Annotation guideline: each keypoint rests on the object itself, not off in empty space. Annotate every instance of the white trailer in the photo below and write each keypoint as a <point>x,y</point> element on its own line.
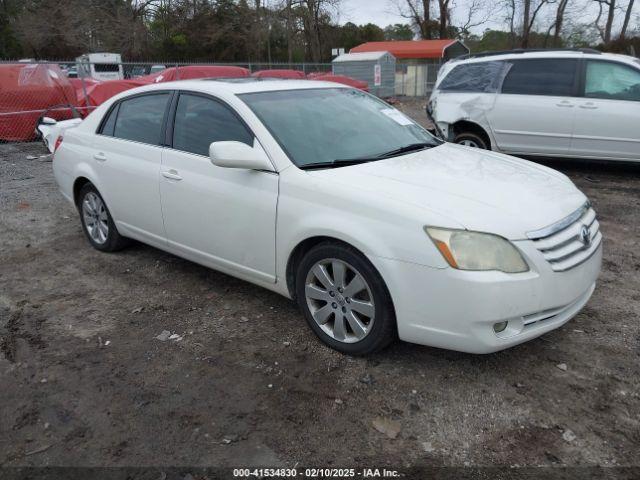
<point>101,66</point>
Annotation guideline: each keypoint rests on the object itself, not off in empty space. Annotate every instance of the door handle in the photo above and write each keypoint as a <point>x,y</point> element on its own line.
<point>566,104</point>
<point>589,106</point>
<point>101,157</point>
<point>172,174</point>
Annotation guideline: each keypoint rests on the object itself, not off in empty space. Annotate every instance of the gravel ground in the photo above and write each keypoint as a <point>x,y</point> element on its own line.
<point>84,381</point>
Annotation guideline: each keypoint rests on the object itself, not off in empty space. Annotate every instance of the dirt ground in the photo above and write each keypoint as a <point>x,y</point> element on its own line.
<point>84,381</point>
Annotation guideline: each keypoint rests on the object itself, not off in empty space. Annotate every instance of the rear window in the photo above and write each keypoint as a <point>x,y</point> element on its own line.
<point>109,123</point>
<point>544,76</point>
<point>140,118</point>
<point>106,67</point>
<point>474,77</point>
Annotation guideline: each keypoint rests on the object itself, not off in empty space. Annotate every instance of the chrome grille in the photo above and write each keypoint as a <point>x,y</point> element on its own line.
<point>571,241</point>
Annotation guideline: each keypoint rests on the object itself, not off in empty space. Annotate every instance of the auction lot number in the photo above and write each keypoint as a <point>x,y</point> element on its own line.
<point>314,473</point>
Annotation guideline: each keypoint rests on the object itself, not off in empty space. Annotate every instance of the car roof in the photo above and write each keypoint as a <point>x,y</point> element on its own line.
<point>516,55</point>
<point>238,86</point>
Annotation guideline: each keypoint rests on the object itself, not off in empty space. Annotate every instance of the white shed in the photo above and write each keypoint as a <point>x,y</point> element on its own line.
<point>378,69</point>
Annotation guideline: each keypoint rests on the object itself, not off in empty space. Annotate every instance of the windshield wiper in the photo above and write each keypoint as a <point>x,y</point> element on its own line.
<point>406,149</point>
<point>339,162</point>
<point>342,162</point>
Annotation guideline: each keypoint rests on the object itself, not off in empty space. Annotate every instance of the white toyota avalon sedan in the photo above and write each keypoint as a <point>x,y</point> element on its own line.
<point>331,197</point>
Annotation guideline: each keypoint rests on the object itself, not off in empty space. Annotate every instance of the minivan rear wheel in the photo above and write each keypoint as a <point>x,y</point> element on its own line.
<point>470,139</point>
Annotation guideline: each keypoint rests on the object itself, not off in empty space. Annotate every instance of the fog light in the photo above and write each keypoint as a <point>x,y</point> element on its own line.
<point>499,327</point>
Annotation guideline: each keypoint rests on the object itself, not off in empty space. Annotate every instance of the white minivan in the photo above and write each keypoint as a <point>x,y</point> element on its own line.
<point>575,103</point>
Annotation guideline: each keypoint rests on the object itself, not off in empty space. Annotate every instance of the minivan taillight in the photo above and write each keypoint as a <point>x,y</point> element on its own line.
<point>57,144</point>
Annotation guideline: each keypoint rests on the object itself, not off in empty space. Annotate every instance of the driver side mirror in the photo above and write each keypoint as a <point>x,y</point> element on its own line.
<point>239,155</point>
<point>47,121</point>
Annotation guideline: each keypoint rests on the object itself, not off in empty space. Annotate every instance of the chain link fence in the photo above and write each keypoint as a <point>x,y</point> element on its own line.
<point>30,90</point>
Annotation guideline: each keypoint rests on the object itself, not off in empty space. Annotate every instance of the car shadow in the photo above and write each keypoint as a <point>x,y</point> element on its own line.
<point>579,166</point>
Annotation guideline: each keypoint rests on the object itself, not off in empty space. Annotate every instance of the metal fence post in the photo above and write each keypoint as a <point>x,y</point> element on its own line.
<point>86,97</point>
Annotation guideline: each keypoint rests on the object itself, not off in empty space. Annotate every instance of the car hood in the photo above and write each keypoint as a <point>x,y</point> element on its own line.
<point>481,190</point>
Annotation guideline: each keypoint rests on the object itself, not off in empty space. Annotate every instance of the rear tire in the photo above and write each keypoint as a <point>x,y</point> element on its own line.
<point>345,300</point>
<point>470,139</point>
<point>97,223</point>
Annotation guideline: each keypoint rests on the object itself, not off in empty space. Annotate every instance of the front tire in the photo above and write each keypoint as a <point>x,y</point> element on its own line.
<point>97,223</point>
<point>345,300</point>
<point>470,139</point>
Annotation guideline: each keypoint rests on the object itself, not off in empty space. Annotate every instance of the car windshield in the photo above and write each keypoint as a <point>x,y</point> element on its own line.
<point>336,125</point>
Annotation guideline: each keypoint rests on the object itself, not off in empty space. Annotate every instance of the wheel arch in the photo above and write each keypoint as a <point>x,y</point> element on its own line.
<point>78,183</point>
<point>462,126</point>
<point>296,255</point>
<point>307,244</point>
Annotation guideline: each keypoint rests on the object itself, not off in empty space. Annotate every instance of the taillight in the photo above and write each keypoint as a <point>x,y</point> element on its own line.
<point>57,144</point>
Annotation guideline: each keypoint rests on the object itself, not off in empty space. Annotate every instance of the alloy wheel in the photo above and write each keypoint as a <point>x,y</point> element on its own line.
<point>340,300</point>
<point>468,143</point>
<point>95,218</point>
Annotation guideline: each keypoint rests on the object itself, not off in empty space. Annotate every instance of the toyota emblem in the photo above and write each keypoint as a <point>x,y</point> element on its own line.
<point>585,235</point>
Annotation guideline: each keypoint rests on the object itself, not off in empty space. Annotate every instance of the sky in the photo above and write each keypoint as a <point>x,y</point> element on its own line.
<point>380,12</point>
<point>385,12</point>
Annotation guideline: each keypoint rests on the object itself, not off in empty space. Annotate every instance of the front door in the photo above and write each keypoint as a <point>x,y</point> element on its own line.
<point>609,126</point>
<point>221,217</point>
<point>535,111</point>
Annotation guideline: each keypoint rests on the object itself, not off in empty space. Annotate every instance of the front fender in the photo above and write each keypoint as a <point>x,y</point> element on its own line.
<point>377,226</point>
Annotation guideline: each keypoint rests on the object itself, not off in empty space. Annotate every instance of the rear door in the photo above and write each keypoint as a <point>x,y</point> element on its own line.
<point>126,154</point>
<point>535,111</point>
<point>609,113</point>
<point>221,217</point>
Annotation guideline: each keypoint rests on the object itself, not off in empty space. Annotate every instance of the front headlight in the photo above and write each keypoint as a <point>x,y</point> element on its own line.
<point>466,250</point>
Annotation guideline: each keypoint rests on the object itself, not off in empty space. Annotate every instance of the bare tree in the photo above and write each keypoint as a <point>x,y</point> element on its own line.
<point>511,8</point>
<point>313,15</point>
<point>556,25</point>
<point>289,23</point>
<point>419,12</point>
<point>627,18</point>
<point>478,12</point>
<point>609,8</point>
<point>530,11</point>
<point>443,6</point>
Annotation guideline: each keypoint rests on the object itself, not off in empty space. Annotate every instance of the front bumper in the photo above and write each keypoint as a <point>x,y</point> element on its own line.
<point>456,309</point>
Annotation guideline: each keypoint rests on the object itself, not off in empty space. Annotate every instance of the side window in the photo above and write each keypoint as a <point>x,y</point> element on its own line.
<point>544,76</point>
<point>612,81</point>
<point>474,77</point>
<point>140,118</point>
<point>201,121</point>
<point>110,122</point>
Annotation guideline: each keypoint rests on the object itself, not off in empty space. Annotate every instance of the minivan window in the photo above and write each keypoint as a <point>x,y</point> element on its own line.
<point>106,67</point>
<point>200,121</point>
<point>544,76</point>
<point>140,118</point>
<point>474,77</point>
<point>613,81</point>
